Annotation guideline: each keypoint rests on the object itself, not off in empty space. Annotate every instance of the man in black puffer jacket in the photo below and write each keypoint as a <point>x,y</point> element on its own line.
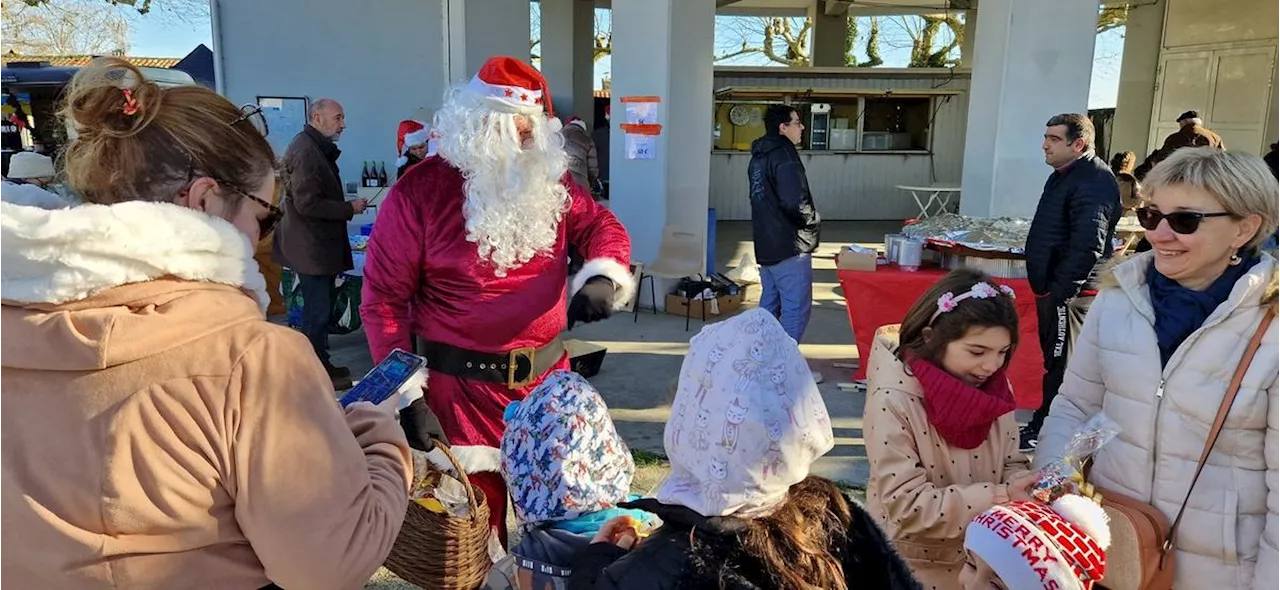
<point>1070,237</point>
<point>784,224</point>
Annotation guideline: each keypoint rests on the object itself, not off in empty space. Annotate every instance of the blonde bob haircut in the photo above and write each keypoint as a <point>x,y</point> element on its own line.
<point>1241,183</point>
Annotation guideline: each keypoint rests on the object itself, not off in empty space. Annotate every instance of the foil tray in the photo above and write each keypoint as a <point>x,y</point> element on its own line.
<point>998,234</point>
<point>1000,268</point>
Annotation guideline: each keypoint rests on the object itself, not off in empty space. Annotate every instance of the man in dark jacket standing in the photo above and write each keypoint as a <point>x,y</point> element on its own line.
<point>1070,236</point>
<point>312,239</point>
<point>784,223</point>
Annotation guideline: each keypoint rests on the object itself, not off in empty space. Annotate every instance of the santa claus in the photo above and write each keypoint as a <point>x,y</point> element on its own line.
<point>469,255</point>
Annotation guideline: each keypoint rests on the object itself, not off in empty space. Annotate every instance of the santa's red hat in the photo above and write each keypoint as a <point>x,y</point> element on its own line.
<point>407,127</point>
<point>512,86</point>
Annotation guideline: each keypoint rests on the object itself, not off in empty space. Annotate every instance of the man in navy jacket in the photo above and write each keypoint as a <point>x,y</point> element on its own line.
<point>1069,238</point>
<point>784,223</point>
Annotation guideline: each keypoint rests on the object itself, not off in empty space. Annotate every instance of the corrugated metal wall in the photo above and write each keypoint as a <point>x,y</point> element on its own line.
<point>855,186</point>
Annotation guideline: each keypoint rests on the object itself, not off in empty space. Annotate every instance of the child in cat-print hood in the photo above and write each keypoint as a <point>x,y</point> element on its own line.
<point>740,505</point>
<point>567,470</point>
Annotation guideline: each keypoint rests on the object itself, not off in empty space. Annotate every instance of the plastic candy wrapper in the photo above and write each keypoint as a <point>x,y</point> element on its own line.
<point>1066,475</point>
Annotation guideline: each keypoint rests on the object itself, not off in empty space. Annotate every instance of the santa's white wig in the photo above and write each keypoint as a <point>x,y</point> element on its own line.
<point>514,196</point>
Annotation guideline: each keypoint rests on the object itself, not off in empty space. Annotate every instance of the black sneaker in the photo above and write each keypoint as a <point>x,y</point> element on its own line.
<point>1027,440</point>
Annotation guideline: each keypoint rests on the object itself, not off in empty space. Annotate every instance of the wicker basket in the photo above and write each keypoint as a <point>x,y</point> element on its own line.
<point>440,551</point>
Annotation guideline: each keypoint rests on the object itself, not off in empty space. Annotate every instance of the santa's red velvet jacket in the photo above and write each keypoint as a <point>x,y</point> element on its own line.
<point>422,276</point>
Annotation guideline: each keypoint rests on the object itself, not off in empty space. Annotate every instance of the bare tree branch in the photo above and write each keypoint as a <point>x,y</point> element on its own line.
<point>68,27</point>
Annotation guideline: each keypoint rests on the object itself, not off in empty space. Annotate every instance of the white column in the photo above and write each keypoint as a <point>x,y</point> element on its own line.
<point>970,35</point>
<point>1142,39</point>
<point>663,48</point>
<point>568,38</point>
<point>829,35</point>
<point>1034,59</point>
<point>479,29</point>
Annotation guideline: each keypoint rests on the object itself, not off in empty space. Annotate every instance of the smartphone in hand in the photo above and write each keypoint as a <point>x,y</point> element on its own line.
<point>385,379</point>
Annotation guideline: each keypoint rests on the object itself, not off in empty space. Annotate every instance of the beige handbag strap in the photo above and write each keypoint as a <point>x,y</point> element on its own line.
<point>1232,389</point>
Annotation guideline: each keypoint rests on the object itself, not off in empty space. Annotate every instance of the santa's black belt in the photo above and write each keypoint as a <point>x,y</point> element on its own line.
<point>516,368</point>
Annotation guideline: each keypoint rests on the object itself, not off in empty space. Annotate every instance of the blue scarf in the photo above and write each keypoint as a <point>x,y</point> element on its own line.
<point>589,524</point>
<point>1180,311</point>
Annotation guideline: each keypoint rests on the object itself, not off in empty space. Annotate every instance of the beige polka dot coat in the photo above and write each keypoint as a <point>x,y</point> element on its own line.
<point>922,490</point>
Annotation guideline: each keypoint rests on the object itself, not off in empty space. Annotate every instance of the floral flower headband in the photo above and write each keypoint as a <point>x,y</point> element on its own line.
<point>983,290</point>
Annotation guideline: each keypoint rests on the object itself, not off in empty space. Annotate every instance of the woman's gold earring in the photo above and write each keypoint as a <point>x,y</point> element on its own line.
<point>1235,258</point>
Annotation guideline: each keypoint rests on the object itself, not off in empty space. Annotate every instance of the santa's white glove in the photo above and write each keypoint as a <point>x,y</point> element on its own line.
<point>408,393</point>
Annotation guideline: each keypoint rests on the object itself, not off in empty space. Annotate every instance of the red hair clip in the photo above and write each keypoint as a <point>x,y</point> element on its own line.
<point>130,104</point>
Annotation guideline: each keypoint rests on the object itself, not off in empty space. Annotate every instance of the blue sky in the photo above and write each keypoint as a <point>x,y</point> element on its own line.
<point>157,36</point>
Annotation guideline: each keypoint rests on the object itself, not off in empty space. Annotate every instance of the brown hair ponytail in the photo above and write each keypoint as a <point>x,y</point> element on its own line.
<point>136,141</point>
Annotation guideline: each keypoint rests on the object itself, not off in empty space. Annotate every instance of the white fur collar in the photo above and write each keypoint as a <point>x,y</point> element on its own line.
<point>62,255</point>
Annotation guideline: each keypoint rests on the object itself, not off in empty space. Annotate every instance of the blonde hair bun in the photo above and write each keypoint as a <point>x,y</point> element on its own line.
<point>111,97</point>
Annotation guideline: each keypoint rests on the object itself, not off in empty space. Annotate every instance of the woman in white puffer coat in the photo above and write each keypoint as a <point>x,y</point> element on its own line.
<point>1160,345</point>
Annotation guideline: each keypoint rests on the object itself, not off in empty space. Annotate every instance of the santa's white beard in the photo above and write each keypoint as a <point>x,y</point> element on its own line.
<point>514,199</point>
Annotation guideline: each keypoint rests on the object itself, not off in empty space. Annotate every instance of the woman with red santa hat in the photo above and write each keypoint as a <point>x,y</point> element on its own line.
<point>412,138</point>
<point>469,256</point>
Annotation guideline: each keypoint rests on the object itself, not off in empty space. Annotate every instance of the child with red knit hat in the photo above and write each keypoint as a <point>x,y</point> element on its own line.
<point>1028,545</point>
<point>941,437</point>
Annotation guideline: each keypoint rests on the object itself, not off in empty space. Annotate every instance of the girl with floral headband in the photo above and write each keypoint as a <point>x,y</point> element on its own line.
<point>939,427</point>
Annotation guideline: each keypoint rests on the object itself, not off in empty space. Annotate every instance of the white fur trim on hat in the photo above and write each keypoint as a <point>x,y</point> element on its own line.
<point>623,281</point>
<point>418,137</point>
<point>512,99</point>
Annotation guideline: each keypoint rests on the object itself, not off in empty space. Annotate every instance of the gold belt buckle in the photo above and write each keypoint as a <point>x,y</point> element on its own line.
<point>513,366</point>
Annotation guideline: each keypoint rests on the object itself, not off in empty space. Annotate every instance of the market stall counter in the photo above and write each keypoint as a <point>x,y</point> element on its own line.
<point>883,296</point>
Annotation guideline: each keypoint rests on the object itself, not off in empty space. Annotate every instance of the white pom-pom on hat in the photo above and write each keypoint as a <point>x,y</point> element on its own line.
<point>1087,515</point>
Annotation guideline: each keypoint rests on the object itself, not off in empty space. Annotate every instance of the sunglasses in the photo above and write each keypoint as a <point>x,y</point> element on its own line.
<point>1181,222</point>
<point>267,224</point>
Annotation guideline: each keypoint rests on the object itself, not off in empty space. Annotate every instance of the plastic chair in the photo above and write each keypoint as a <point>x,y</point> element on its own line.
<point>679,256</point>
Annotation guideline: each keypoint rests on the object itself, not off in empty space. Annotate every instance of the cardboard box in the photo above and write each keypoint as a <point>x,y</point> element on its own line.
<point>854,260</point>
<point>725,304</point>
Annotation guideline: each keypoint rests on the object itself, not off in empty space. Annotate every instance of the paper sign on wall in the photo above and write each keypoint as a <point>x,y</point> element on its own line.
<point>641,110</point>
<point>641,147</point>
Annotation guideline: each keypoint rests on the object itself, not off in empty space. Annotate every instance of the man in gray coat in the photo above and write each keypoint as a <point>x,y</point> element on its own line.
<point>312,239</point>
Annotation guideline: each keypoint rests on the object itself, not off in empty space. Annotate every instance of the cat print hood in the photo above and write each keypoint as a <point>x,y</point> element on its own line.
<point>747,422</point>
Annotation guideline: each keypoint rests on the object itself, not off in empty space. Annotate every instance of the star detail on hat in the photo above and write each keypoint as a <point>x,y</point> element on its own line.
<point>512,85</point>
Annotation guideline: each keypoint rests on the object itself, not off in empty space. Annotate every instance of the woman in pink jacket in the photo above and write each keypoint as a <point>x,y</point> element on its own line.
<point>939,426</point>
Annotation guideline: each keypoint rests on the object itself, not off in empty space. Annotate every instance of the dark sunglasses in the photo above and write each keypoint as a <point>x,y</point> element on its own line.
<point>1181,222</point>
<point>267,224</point>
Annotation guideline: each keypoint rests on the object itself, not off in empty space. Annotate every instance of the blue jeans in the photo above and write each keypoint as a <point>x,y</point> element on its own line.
<point>787,293</point>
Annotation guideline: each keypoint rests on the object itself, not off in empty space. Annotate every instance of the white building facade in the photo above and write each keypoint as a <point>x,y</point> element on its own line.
<point>1024,61</point>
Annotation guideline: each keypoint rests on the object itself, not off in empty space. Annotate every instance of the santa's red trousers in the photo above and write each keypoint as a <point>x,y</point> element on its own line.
<point>470,413</point>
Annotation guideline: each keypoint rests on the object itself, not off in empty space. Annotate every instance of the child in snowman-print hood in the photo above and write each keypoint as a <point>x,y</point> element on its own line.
<point>740,508</point>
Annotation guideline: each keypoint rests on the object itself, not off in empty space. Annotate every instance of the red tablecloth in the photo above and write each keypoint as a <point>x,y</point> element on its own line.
<point>881,297</point>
